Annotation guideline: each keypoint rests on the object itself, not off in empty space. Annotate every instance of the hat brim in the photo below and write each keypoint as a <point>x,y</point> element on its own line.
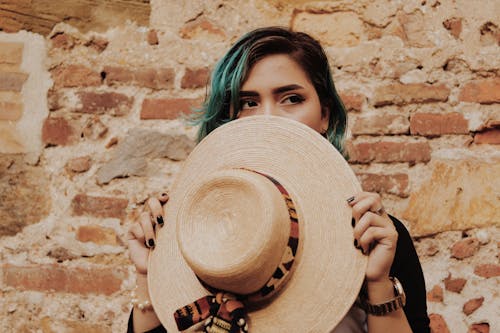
<point>328,272</point>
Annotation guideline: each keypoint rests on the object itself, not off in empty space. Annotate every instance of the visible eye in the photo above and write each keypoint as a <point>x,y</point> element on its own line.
<point>292,99</point>
<point>247,104</point>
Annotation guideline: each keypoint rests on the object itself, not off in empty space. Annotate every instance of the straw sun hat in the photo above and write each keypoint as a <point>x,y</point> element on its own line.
<point>259,211</point>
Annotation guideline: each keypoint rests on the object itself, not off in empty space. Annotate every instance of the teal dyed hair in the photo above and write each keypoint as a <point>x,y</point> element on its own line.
<point>230,73</point>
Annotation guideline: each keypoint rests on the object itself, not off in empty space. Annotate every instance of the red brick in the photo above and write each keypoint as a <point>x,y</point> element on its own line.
<point>162,78</point>
<point>83,204</point>
<point>195,78</point>
<point>118,75</point>
<point>167,108</point>
<point>12,81</point>
<point>352,101</point>
<point>96,234</point>
<point>75,76</point>
<point>485,91</point>
<point>479,328</point>
<point>58,131</point>
<point>465,248</point>
<point>435,124</point>
<point>380,124</point>
<point>487,270</point>
<point>79,164</point>
<point>488,136</point>
<point>455,285</point>
<point>389,152</point>
<point>401,94</point>
<point>438,324</point>
<point>152,37</point>
<point>193,28</point>
<point>76,280</point>
<point>63,41</point>
<point>454,26</point>
<point>107,102</point>
<point>11,53</point>
<point>396,184</point>
<point>435,294</point>
<point>472,305</point>
<point>11,111</point>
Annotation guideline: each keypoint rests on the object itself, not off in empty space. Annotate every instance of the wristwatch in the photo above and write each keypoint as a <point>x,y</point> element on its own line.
<point>392,305</point>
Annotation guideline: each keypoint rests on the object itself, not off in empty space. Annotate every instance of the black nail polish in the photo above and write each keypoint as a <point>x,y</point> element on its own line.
<point>160,221</point>
<point>151,242</point>
<point>351,199</point>
<point>355,243</point>
<point>353,222</point>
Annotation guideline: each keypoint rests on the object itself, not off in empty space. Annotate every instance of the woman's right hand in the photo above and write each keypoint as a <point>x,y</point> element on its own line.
<point>141,235</point>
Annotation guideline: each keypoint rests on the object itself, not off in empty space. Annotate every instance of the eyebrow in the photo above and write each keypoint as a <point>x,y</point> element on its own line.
<point>279,90</point>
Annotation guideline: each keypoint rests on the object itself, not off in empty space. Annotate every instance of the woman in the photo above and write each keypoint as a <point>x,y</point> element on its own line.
<point>273,71</point>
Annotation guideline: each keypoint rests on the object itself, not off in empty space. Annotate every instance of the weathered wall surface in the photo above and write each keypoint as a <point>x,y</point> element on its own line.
<point>90,125</point>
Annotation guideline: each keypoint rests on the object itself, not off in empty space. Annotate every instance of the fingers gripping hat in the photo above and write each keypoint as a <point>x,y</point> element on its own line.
<point>258,217</point>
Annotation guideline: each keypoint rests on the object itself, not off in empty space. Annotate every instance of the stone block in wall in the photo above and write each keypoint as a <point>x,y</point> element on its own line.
<point>23,194</point>
<point>87,15</point>
<point>461,194</point>
<point>131,155</point>
<point>340,29</point>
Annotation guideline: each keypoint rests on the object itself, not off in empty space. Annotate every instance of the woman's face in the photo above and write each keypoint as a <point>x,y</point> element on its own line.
<point>276,85</point>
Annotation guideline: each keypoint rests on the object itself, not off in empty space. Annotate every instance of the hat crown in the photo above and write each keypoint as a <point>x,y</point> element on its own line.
<point>233,230</point>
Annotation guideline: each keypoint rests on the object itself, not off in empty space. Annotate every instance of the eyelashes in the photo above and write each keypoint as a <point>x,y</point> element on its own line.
<point>250,103</point>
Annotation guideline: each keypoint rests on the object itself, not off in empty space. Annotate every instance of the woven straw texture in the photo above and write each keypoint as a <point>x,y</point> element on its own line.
<point>328,271</point>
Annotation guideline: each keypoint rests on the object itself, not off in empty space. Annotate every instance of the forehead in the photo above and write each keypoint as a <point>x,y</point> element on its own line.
<point>275,71</point>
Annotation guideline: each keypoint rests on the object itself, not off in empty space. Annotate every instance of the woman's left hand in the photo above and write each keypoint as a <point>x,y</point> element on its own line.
<point>374,234</point>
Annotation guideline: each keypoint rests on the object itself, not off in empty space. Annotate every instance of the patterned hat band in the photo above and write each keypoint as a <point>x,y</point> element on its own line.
<point>224,311</point>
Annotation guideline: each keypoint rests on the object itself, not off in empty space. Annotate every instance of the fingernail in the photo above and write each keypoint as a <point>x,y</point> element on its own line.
<point>351,199</point>
<point>160,221</point>
<point>151,242</point>
<point>353,222</point>
<point>355,243</point>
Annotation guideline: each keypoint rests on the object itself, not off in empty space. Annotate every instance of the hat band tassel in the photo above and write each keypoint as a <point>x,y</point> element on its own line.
<point>225,312</point>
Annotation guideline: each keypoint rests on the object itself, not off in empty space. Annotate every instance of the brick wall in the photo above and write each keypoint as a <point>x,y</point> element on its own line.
<point>102,107</point>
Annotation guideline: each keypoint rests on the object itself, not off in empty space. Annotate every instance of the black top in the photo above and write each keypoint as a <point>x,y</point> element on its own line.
<point>406,267</point>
